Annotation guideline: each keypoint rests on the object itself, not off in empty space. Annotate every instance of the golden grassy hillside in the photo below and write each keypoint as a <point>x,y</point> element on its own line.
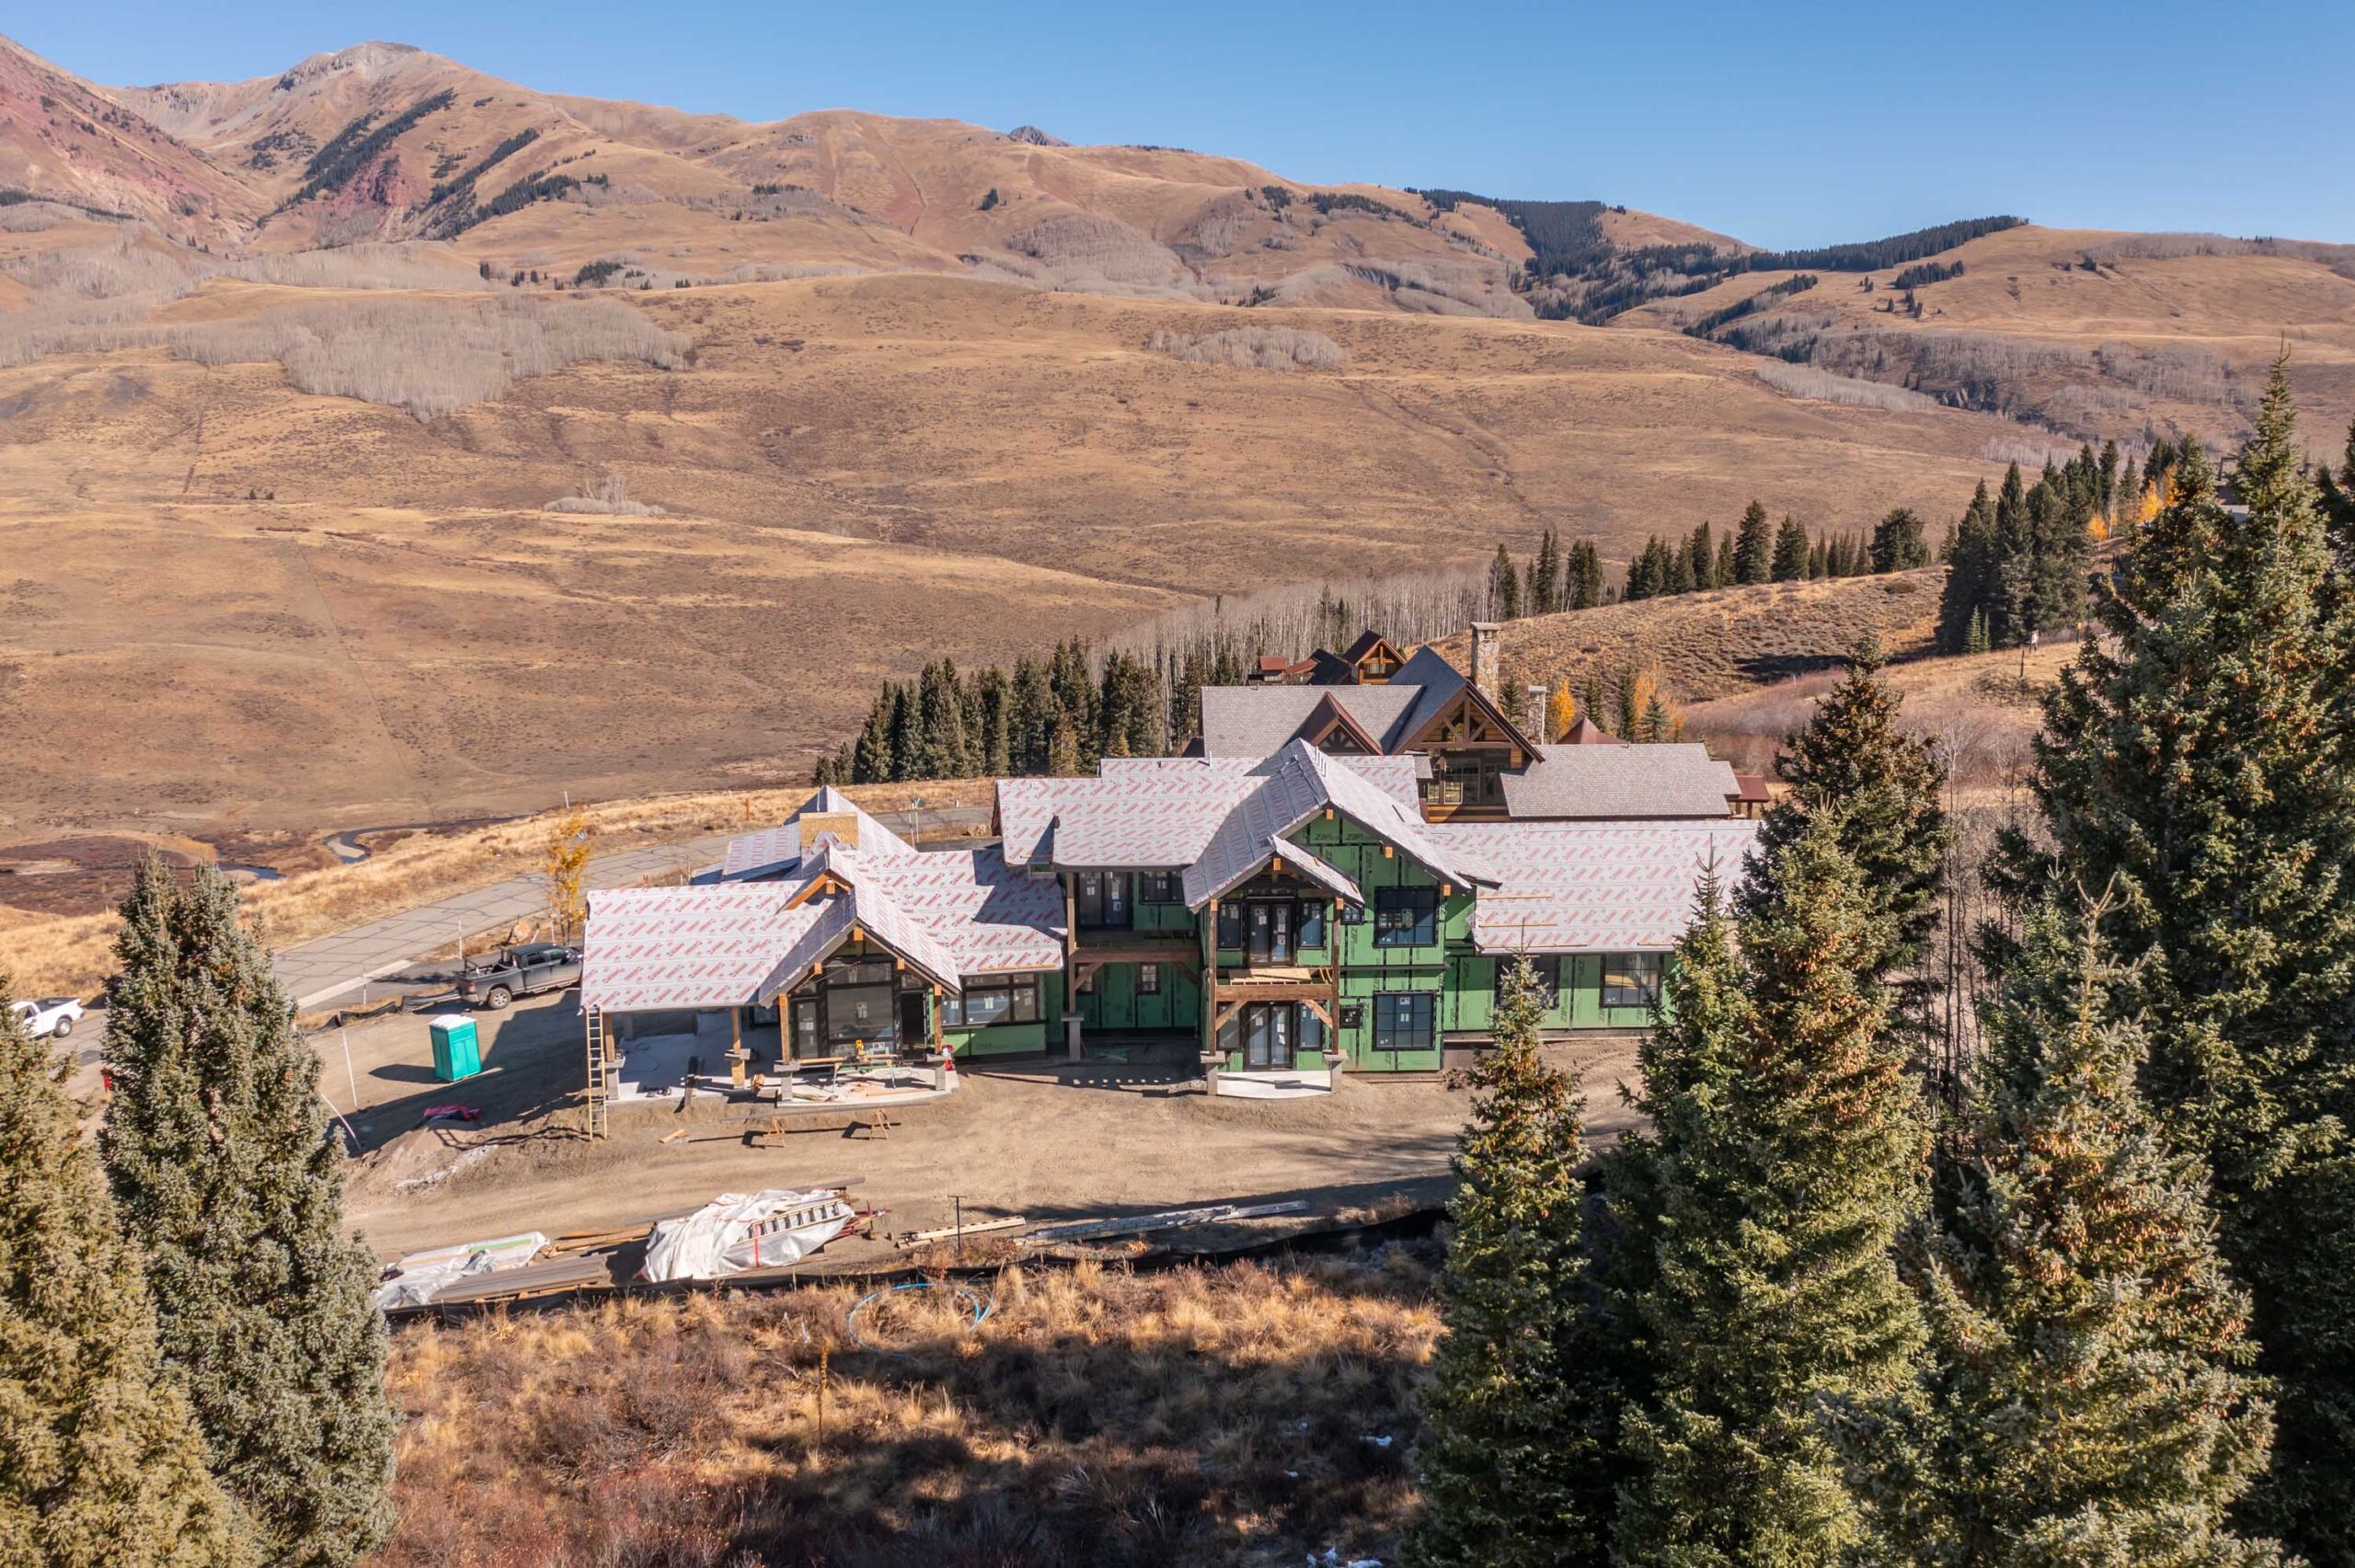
<point>288,610</point>
<point>1725,642</point>
<point>2094,334</point>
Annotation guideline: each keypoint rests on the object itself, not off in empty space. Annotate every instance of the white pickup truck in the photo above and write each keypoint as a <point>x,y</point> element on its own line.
<point>51,1017</point>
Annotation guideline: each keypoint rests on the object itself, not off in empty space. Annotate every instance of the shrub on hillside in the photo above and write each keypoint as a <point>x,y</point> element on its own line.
<point>1253,348</point>
<point>430,356</point>
<point>1806,381</point>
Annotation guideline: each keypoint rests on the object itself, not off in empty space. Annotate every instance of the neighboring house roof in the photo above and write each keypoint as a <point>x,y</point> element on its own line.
<point>664,947</point>
<point>1754,791</point>
<point>1669,780</point>
<point>1257,721</point>
<point>1584,731</point>
<point>1595,887</point>
<point>774,851</point>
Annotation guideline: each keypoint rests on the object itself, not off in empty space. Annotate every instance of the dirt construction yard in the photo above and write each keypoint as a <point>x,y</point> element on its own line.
<point>1047,1140</point>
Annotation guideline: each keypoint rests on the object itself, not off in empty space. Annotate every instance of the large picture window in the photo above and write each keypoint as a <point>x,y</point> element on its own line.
<point>1230,925</point>
<point>1406,1021</point>
<point>1013,999</point>
<point>1405,917</point>
<point>1631,979</point>
<point>1311,924</point>
<point>1160,887</point>
<point>861,1011</point>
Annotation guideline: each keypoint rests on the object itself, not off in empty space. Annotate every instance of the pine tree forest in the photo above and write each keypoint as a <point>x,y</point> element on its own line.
<point>2072,1292</point>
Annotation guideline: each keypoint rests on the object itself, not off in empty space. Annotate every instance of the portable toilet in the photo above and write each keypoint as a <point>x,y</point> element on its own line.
<point>456,1051</point>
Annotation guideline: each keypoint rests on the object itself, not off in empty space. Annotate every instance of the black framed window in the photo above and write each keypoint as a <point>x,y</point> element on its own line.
<point>1012,1000</point>
<point>1230,925</point>
<point>1405,917</point>
<point>1148,979</point>
<point>857,1012</point>
<point>1405,1020</point>
<point>1101,897</point>
<point>1631,979</point>
<point>1160,887</point>
<point>1309,931</point>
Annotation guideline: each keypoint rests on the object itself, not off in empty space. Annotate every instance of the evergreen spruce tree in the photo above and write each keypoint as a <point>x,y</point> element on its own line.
<point>2086,1398</point>
<point>1586,584</point>
<point>1786,1153</point>
<point>1899,544</point>
<point>101,1461</point>
<point>2200,760</point>
<point>1544,586</point>
<point>2338,498</point>
<point>1032,718</point>
<point>2011,584</point>
<point>1504,587</point>
<point>1979,640</point>
<point>1701,550</point>
<point>216,1144</point>
<point>1727,572</point>
<point>1790,552</point>
<point>1970,571</point>
<point>2062,520</point>
<point>1880,787</point>
<point>871,762</point>
<point>1753,547</point>
<point>1516,1458</point>
<point>906,741</point>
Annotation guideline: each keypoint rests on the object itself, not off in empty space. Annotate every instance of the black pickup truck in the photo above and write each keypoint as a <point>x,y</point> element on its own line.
<point>496,980</point>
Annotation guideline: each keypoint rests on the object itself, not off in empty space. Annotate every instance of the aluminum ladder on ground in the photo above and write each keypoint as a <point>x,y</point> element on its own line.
<point>602,1067</point>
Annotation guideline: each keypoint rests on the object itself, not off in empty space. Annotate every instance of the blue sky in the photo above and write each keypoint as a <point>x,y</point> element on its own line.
<point>1782,124</point>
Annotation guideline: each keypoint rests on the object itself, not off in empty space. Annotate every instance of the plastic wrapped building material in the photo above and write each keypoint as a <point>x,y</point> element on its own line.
<point>417,1277</point>
<point>736,1232</point>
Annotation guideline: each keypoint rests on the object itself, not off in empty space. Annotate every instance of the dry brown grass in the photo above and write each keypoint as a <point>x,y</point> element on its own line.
<point>1218,1415</point>
<point>1982,709</point>
<point>74,953</point>
<point>864,474</point>
<point>1705,645</point>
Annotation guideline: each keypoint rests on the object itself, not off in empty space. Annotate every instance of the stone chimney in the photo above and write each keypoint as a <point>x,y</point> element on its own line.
<point>1485,659</point>
<point>1534,717</point>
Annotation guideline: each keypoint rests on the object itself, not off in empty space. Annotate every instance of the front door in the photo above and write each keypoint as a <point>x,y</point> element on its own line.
<point>1267,1036</point>
<point>916,1032</point>
<point>1268,938</point>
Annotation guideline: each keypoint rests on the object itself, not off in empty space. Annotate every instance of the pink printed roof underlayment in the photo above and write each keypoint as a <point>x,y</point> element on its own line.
<point>950,915</point>
<point>1162,813</point>
<point>1596,887</point>
<point>778,849</point>
<point>663,947</point>
<point>1302,781</point>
